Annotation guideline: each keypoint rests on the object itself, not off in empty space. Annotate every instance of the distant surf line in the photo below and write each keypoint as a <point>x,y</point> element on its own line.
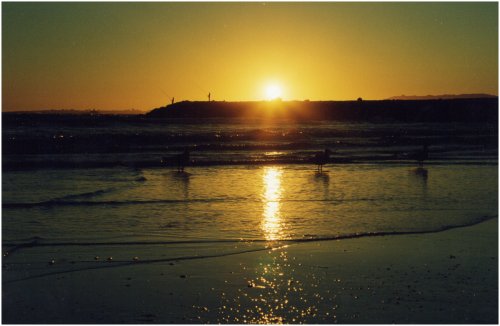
<point>156,164</point>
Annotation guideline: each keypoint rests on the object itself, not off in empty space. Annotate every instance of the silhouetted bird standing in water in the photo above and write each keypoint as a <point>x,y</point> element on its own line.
<point>321,158</point>
<point>182,160</point>
<point>422,155</point>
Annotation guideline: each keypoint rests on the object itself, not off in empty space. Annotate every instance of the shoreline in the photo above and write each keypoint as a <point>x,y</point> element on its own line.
<point>35,242</point>
<point>445,277</point>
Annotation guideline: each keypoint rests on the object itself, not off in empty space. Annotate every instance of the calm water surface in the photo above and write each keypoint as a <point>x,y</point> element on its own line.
<point>282,202</point>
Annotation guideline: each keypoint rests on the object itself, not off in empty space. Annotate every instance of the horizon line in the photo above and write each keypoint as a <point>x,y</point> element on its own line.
<point>278,100</point>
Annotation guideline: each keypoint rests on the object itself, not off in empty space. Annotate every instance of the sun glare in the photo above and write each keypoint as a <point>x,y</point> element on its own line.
<point>273,91</point>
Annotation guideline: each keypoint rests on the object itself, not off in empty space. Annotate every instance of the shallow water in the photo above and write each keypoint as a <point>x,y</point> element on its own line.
<point>99,179</point>
<point>225,203</point>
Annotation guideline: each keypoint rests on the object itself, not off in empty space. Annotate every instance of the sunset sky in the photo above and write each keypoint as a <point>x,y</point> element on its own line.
<point>140,55</point>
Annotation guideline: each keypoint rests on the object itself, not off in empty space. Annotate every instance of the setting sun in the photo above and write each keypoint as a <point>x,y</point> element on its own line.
<point>273,91</point>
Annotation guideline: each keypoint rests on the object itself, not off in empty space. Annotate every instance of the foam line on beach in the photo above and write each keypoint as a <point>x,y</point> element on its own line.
<point>65,202</point>
<point>279,245</point>
<point>396,233</point>
<point>39,242</point>
<point>115,264</point>
<point>87,194</point>
<point>68,200</point>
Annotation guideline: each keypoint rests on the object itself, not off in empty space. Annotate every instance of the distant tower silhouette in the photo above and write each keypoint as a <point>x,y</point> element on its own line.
<point>172,100</point>
<point>209,97</point>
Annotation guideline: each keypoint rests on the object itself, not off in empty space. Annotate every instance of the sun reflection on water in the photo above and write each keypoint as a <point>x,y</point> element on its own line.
<point>272,190</point>
<point>274,288</point>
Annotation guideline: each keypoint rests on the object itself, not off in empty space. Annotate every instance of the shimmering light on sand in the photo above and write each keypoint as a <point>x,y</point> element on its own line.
<point>278,294</point>
<point>271,222</point>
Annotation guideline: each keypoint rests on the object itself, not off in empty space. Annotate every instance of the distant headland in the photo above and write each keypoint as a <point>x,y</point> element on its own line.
<point>434,110</point>
<point>440,97</point>
<point>431,108</point>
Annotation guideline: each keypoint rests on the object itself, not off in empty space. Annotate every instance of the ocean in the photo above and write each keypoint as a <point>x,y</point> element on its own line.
<point>100,181</point>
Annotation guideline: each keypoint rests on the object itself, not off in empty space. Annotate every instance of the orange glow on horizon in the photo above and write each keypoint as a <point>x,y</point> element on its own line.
<point>109,56</point>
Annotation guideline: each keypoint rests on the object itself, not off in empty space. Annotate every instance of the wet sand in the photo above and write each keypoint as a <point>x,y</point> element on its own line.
<point>445,277</point>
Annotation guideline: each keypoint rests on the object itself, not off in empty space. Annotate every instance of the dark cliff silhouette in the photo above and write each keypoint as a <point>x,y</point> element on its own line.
<point>466,110</point>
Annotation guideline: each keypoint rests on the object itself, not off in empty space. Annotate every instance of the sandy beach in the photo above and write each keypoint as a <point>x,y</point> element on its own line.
<point>445,277</point>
